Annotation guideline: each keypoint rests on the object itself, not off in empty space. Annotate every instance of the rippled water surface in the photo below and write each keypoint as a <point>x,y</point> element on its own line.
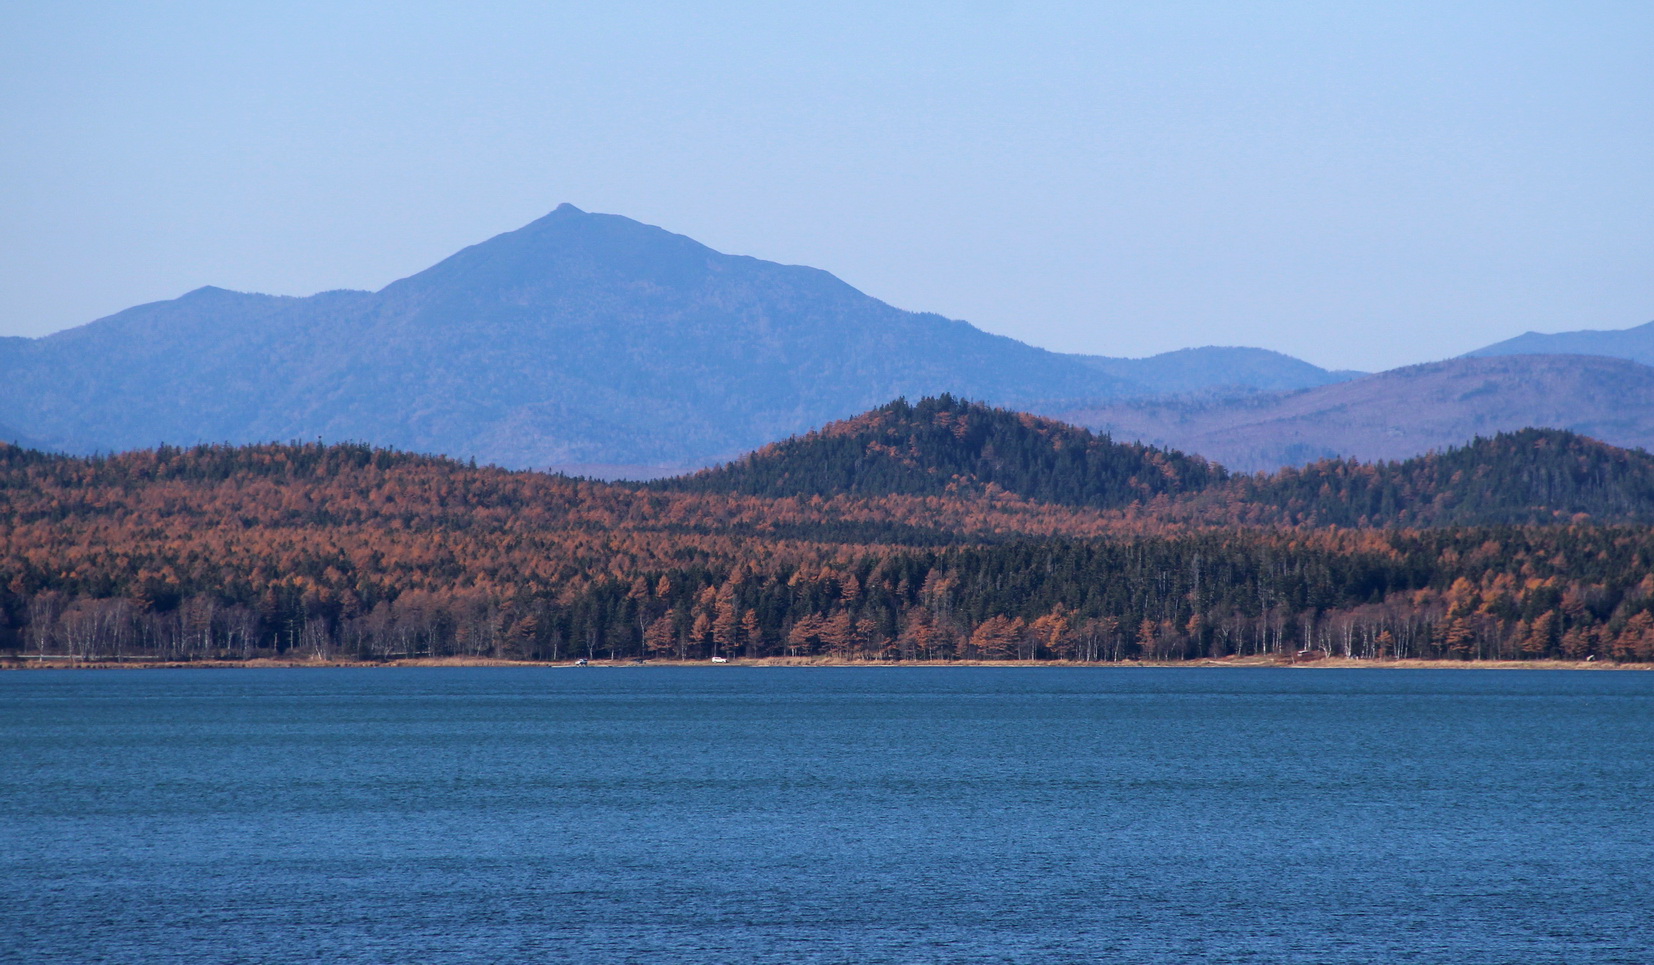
<point>848,815</point>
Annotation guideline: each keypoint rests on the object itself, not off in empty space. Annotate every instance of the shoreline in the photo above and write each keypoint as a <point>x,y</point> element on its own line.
<point>1253,662</point>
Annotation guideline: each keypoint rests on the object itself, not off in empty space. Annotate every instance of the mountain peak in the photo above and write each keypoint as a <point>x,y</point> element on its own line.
<point>563,212</point>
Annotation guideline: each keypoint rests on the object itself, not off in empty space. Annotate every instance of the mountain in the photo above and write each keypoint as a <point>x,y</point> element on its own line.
<point>1524,477</point>
<point>1636,344</point>
<point>1216,369</point>
<point>212,365</point>
<point>595,344</point>
<point>13,437</point>
<point>579,339</point>
<point>945,445</point>
<point>1397,414</point>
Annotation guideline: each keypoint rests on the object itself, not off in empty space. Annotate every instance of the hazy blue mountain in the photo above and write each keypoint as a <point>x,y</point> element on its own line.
<point>579,339</point>
<point>1396,414</point>
<point>1636,344</point>
<point>1217,369</point>
<point>212,365</point>
<point>12,435</point>
<point>598,344</point>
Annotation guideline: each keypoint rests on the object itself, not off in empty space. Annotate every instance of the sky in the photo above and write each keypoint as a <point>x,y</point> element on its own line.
<point>1363,185</point>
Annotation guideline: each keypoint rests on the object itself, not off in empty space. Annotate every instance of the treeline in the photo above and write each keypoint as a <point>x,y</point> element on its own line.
<point>1514,593</point>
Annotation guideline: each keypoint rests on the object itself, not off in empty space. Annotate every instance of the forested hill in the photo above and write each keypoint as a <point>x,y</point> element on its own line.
<point>1529,476</point>
<point>311,551</point>
<point>947,445</point>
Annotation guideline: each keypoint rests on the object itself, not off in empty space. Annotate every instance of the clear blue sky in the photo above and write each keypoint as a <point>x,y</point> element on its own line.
<point>1359,184</point>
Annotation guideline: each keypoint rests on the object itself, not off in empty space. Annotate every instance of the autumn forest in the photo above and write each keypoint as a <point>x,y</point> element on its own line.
<point>938,530</point>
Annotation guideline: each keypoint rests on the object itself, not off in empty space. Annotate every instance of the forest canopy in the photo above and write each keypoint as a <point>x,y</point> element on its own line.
<point>938,530</point>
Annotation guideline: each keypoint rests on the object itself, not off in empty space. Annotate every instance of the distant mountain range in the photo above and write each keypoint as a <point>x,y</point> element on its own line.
<point>585,342</point>
<point>1636,344</point>
<point>1215,370</point>
<point>1397,414</point>
<point>580,339</point>
<point>593,343</point>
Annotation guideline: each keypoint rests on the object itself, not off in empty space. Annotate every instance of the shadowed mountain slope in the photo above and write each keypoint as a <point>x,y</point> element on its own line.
<point>942,445</point>
<point>1398,414</point>
<point>581,338</point>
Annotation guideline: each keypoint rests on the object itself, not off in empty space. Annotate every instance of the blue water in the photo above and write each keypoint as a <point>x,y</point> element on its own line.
<point>857,815</point>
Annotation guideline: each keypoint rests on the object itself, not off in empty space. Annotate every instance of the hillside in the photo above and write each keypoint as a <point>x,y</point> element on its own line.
<point>579,339</point>
<point>320,552</point>
<point>1524,477</point>
<point>1636,344</point>
<point>1397,414</point>
<point>946,445</point>
<point>951,448</point>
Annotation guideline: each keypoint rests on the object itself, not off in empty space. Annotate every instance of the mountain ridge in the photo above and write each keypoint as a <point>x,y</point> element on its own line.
<point>1635,344</point>
<point>1218,370</point>
<point>596,343</point>
<point>577,338</point>
<point>1396,414</point>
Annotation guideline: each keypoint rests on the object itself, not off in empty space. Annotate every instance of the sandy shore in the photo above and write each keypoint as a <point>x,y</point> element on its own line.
<point>1339,663</point>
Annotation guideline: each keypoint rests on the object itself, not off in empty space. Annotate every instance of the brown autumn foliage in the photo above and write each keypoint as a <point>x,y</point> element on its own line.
<point>244,552</point>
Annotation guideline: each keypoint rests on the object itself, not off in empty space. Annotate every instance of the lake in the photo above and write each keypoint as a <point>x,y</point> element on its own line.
<point>790,815</point>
